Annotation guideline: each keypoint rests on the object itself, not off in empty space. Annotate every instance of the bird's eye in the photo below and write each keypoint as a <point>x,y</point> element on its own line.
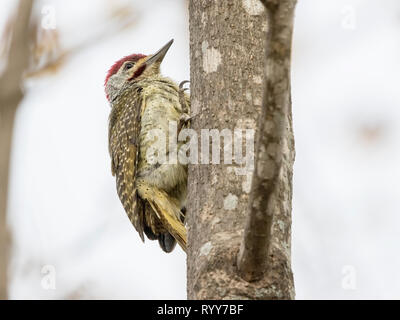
<point>128,66</point>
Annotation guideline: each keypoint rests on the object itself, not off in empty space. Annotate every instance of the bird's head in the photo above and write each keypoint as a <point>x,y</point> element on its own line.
<point>134,67</point>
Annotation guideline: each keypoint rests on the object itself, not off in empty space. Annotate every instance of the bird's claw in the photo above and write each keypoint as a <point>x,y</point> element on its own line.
<point>184,118</point>
<point>182,84</point>
<point>182,96</point>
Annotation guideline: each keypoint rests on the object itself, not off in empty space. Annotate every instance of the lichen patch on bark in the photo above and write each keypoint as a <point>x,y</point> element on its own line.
<point>253,7</point>
<point>211,58</point>
<point>230,202</point>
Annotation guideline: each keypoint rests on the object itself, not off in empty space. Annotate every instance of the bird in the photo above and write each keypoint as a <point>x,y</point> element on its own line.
<point>142,100</point>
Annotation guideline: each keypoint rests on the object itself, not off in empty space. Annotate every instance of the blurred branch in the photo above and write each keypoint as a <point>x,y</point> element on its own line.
<point>31,51</point>
<point>121,17</point>
<point>11,94</point>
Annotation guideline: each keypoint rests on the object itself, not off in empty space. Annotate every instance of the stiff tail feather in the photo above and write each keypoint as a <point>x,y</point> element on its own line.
<point>168,213</point>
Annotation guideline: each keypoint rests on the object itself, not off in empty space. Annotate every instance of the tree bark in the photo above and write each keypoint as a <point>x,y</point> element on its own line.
<point>227,42</point>
<point>10,96</point>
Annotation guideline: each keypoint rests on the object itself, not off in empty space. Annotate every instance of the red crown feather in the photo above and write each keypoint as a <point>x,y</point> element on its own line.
<point>117,65</point>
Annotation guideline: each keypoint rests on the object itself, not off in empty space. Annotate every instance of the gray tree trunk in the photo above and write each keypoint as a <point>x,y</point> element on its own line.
<point>227,44</point>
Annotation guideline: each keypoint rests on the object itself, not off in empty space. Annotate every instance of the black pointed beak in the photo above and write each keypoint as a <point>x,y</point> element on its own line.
<point>160,54</point>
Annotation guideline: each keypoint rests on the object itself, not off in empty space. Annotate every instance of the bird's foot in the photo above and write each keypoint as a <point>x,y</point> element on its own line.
<point>183,100</point>
<point>184,119</point>
<point>181,88</point>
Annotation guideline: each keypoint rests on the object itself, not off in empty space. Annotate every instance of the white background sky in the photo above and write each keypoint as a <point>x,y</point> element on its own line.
<point>64,210</point>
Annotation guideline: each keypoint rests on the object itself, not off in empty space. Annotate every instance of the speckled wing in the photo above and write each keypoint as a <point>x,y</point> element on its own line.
<point>124,129</point>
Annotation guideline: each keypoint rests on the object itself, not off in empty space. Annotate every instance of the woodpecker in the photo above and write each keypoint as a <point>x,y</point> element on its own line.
<point>142,100</point>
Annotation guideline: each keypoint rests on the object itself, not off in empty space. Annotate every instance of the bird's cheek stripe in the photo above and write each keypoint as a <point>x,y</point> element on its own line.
<point>138,72</point>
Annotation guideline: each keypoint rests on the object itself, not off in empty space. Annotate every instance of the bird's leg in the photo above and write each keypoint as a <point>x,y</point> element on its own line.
<point>185,117</point>
<point>183,100</point>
